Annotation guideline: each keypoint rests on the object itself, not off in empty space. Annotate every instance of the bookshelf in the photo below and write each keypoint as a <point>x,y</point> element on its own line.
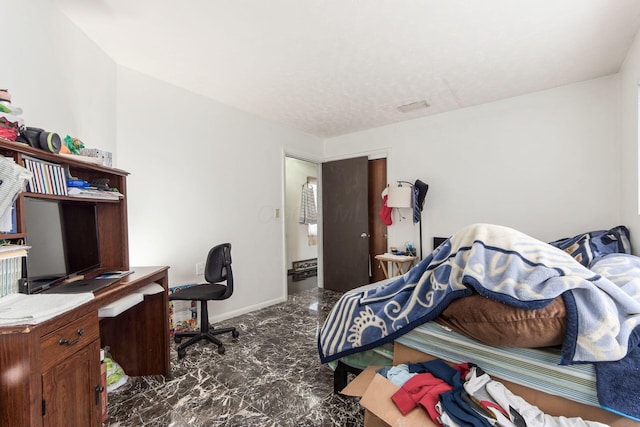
<point>49,171</point>
<point>57,360</point>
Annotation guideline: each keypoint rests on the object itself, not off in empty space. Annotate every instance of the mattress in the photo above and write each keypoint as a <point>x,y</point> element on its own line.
<point>537,368</point>
<point>379,356</point>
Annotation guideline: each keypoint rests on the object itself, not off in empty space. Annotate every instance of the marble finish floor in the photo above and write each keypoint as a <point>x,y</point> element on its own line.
<point>270,376</point>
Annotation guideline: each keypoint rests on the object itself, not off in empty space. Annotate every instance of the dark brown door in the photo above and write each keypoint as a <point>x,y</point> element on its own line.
<point>378,229</point>
<point>345,224</point>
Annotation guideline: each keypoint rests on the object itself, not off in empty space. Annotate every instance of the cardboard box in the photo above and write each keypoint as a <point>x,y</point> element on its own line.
<point>183,315</point>
<point>375,393</point>
<point>380,411</point>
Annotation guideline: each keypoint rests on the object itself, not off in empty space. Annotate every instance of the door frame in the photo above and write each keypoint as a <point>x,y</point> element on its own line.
<point>346,223</point>
<point>370,154</point>
<point>318,162</point>
<point>288,152</point>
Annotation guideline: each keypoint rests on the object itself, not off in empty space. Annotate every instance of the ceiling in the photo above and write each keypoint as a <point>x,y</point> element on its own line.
<point>331,67</point>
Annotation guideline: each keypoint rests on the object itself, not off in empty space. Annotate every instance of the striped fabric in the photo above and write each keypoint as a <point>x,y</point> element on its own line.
<point>535,368</point>
<point>308,213</point>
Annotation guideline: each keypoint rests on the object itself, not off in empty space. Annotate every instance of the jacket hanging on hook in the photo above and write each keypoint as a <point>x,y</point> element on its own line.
<point>308,212</point>
<point>385,211</point>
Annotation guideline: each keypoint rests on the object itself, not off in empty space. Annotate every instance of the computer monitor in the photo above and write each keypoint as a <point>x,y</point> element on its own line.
<point>63,236</point>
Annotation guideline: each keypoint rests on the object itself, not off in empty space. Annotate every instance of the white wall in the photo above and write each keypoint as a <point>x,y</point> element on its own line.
<point>297,241</point>
<point>544,163</point>
<point>629,80</point>
<point>550,163</point>
<point>204,173</point>
<point>201,172</point>
<point>61,80</point>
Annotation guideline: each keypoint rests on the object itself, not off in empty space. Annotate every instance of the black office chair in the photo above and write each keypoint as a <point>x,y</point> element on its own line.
<point>217,270</point>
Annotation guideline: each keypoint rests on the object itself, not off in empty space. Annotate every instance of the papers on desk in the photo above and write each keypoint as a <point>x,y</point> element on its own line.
<point>22,309</point>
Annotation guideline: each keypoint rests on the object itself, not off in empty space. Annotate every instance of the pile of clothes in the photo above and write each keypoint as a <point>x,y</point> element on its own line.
<point>10,122</point>
<point>465,395</point>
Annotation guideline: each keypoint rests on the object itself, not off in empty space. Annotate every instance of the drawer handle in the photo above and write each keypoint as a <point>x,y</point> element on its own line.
<point>64,341</point>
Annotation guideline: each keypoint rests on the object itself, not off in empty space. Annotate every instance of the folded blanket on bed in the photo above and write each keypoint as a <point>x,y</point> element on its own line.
<point>603,305</point>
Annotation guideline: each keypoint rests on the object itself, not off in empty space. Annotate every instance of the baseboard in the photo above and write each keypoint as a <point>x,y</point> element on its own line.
<point>244,310</point>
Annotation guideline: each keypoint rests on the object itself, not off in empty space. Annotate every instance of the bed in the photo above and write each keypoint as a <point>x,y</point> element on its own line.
<point>569,327</point>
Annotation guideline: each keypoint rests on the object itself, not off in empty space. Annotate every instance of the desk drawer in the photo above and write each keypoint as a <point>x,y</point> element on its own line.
<point>65,341</point>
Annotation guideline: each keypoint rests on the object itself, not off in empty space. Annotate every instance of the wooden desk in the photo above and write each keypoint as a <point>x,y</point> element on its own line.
<point>400,261</point>
<point>45,381</point>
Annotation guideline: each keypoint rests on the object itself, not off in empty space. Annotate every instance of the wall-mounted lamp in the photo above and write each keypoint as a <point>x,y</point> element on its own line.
<point>400,196</point>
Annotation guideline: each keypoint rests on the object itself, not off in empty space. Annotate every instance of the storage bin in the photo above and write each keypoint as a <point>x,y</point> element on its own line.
<point>183,315</point>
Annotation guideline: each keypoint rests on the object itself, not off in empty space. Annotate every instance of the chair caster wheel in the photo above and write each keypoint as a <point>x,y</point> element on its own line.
<point>177,340</point>
<point>221,350</point>
<point>182,353</point>
<point>235,334</point>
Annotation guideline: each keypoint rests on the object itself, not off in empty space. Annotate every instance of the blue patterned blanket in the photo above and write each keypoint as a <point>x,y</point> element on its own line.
<point>602,303</point>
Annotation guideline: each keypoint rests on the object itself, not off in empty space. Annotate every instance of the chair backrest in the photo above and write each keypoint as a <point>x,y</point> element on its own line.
<point>218,267</point>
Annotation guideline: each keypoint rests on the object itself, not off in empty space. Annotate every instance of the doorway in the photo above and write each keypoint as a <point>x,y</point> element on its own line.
<point>301,246</point>
<point>299,253</point>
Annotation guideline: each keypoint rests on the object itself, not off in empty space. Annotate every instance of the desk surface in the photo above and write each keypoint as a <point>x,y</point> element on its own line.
<point>393,257</point>
<point>400,261</point>
<point>138,339</point>
<point>141,277</point>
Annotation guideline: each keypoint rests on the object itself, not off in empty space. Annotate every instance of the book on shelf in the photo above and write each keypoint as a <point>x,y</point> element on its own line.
<point>32,184</point>
<point>43,174</point>
<point>60,176</point>
<point>48,178</point>
<point>11,268</point>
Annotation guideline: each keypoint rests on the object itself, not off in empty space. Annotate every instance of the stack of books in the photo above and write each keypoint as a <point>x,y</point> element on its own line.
<point>11,268</point>
<point>48,178</point>
<point>94,193</point>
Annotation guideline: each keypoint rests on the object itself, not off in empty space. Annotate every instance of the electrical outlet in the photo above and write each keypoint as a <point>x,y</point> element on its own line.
<point>200,268</point>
